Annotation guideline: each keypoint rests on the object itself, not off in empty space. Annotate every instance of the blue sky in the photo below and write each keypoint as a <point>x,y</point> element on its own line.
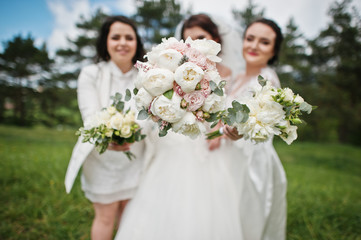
<point>51,21</point>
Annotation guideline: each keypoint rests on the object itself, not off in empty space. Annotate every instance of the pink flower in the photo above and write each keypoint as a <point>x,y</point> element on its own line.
<point>206,89</point>
<point>177,89</point>
<point>200,115</point>
<point>195,100</point>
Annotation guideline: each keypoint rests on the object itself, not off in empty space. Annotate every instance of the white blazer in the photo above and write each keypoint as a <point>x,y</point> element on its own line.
<point>94,89</point>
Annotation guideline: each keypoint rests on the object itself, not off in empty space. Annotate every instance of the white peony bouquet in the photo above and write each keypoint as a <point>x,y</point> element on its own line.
<point>269,111</point>
<point>179,86</point>
<point>112,124</point>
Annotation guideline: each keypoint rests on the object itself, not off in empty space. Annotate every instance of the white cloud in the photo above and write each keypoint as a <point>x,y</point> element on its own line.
<point>66,14</point>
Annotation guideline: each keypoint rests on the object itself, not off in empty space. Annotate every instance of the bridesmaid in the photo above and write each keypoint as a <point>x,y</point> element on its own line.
<point>260,173</point>
<point>108,180</point>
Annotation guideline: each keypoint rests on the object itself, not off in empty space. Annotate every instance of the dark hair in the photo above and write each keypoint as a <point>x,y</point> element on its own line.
<point>101,44</point>
<point>203,21</point>
<point>279,36</point>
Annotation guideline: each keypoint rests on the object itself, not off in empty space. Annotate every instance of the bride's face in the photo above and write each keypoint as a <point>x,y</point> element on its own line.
<point>196,33</point>
<point>258,44</point>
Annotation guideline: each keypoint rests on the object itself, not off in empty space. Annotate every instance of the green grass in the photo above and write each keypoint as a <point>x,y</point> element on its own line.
<point>324,182</point>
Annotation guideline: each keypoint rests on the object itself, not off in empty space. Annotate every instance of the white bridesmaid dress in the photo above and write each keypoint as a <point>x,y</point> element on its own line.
<point>260,176</point>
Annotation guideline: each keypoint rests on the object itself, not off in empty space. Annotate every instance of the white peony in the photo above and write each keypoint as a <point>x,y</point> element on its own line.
<point>168,109</point>
<point>213,75</point>
<point>189,126</point>
<point>158,80</point>
<point>169,59</point>
<point>209,48</point>
<point>116,121</point>
<point>214,103</point>
<point>142,99</point>
<point>153,55</point>
<point>262,121</point>
<point>289,134</point>
<point>188,75</point>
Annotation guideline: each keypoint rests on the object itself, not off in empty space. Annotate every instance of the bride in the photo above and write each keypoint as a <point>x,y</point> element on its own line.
<point>185,194</point>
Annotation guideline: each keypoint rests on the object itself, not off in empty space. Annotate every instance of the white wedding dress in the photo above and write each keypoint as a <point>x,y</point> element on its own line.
<point>260,176</point>
<point>185,195</point>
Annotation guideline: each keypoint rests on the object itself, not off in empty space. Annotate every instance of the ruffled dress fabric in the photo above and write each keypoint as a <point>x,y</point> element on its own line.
<point>185,195</point>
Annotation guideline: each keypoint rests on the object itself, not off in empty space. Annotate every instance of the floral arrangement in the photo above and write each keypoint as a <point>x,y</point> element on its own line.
<point>179,86</point>
<point>112,124</point>
<point>269,111</point>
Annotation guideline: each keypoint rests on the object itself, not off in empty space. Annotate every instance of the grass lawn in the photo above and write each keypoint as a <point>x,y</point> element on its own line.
<point>324,200</point>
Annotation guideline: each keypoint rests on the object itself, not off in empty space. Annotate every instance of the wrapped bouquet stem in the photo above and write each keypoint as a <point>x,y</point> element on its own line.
<point>113,124</point>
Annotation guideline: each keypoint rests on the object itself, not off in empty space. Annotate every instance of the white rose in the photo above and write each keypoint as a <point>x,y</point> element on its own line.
<point>129,118</point>
<point>209,48</point>
<point>142,99</point>
<point>125,131</point>
<point>103,117</point>
<point>116,121</point>
<point>158,80</point>
<point>189,126</point>
<point>188,75</point>
<point>214,103</point>
<point>169,59</point>
<point>168,109</point>
<point>288,95</point>
<point>111,110</point>
<point>299,99</point>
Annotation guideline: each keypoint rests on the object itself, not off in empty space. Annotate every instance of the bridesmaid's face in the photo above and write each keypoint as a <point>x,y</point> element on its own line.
<point>121,43</point>
<point>196,33</point>
<point>258,44</point>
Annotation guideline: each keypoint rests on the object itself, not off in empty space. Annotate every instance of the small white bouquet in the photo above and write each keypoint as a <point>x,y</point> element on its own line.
<point>179,86</point>
<point>112,124</point>
<point>269,111</point>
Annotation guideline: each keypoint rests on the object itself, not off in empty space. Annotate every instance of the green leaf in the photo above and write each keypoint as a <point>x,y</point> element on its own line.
<point>212,117</point>
<point>120,106</point>
<point>218,91</point>
<point>262,81</point>
<point>222,84</point>
<point>305,107</point>
<point>128,95</point>
<point>169,94</point>
<point>135,91</point>
<point>212,85</point>
<point>143,114</point>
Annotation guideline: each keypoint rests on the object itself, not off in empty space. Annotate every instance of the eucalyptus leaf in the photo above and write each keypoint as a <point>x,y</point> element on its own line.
<point>143,114</point>
<point>128,95</point>
<point>135,91</point>
<point>262,81</point>
<point>222,84</point>
<point>305,107</point>
<point>212,85</point>
<point>218,92</point>
<point>120,106</point>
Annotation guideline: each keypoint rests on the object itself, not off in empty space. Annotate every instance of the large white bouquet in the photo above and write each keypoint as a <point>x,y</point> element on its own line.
<point>112,124</point>
<point>269,111</point>
<point>179,86</point>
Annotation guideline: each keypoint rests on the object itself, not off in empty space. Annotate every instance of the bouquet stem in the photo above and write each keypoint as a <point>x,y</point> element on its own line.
<point>215,134</point>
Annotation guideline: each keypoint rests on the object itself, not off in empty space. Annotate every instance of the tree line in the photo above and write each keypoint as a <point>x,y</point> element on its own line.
<point>325,70</point>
